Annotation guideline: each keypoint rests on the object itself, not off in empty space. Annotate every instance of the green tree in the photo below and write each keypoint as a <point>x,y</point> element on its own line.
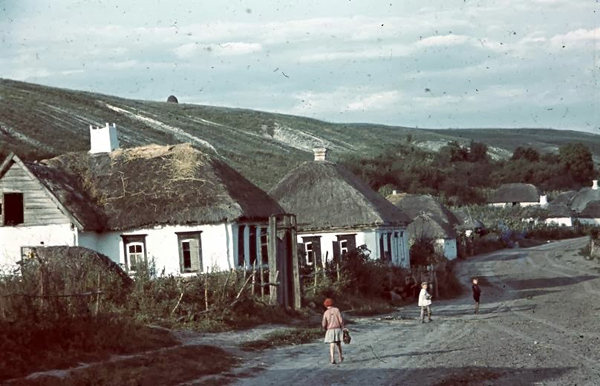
<point>528,153</point>
<point>478,152</point>
<point>576,159</point>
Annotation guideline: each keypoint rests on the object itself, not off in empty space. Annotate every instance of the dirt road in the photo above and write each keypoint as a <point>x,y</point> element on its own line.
<point>538,326</point>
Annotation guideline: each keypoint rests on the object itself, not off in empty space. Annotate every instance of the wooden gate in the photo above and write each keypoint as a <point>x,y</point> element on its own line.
<point>283,261</point>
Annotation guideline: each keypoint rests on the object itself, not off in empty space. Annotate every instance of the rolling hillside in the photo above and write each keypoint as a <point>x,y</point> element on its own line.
<point>38,121</point>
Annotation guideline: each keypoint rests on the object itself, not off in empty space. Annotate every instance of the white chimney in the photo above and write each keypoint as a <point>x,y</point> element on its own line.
<point>321,153</point>
<point>103,139</point>
<point>394,192</point>
<point>595,184</point>
<point>543,200</point>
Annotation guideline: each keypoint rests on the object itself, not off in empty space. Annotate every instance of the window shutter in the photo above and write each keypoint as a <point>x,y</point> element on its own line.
<point>336,251</point>
<point>181,267</point>
<point>195,254</point>
<point>317,251</point>
<point>351,242</point>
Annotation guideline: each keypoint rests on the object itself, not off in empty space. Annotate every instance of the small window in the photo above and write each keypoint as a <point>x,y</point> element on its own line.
<point>135,252</point>
<point>310,253</point>
<point>190,252</point>
<point>346,243</point>
<point>344,247</point>
<point>13,209</point>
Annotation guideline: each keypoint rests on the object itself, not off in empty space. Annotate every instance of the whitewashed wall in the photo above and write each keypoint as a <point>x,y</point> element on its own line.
<point>589,221</point>
<point>219,245</point>
<point>509,204</point>
<point>370,238</point>
<point>562,221</point>
<point>13,238</point>
<point>449,248</point>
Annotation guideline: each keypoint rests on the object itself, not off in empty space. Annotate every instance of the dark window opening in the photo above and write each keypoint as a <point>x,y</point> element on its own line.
<point>13,209</point>
<point>252,243</point>
<point>190,252</point>
<point>241,246</point>
<point>264,246</point>
<point>389,250</point>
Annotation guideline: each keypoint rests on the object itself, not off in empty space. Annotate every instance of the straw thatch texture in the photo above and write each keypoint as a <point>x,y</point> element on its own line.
<point>415,205</point>
<point>583,198</point>
<point>555,210</point>
<point>427,227</point>
<point>507,193</point>
<point>565,197</point>
<point>324,196</point>
<point>591,210</point>
<point>153,185</point>
<point>467,222</point>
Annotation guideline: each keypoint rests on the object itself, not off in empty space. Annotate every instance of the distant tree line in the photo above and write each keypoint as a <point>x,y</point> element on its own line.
<point>464,174</point>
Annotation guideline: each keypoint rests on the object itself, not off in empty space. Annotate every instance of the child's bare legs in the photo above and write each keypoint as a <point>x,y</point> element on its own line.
<point>476,307</point>
<point>331,352</point>
<point>339,346</point>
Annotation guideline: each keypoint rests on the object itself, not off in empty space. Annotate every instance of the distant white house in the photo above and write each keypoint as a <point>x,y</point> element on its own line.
<point>509,195</point>
<point>429,219</point>
<point>174,207</point>
<point>337,212</point>
<point>586,205</point>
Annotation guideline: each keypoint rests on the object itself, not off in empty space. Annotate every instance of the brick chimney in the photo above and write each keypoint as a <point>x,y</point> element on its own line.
<point>595,184</point>
<point>321,154</point>
<point>103,139</point>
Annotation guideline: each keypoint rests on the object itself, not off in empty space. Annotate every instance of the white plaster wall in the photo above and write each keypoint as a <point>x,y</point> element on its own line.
<point>509,204</point>
<point>450,251</point>
<point>13,238</point>
<point>562,221</point>
<point>162,246</point>
<point>589,221</point>
<point>370,238</point>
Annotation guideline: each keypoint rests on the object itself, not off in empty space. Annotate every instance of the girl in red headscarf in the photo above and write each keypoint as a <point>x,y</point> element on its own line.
<point>333,324</point>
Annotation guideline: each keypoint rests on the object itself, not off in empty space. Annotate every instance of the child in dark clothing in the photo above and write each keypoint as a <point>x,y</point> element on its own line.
<point>476,294</point>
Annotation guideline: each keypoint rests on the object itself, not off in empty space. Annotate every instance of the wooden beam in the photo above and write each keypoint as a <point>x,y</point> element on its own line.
<point>272,247</point>
<point>295,265</point>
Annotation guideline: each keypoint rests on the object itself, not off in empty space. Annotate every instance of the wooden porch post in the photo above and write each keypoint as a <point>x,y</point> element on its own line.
<point>272,242</point>
<point>295,265</point>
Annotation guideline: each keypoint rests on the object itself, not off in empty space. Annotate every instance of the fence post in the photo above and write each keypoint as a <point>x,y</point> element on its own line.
<point>295,264</point>
<point>206,291</point>
<point>262,282</point>
<point>273,272</point>
<point>253,278</point>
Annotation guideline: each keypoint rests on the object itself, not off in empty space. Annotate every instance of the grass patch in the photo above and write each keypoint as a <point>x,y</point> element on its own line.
<point>26,348</point>
<point>290,337</point>
<point>166,367</point>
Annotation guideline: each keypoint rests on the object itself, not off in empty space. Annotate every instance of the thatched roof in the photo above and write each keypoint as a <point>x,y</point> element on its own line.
<point>515,193</point>
<point>556,210</point>
<point>172,99</point>
<point>152,185</point>
<point>591,210</point>
<point>583,198</point>
<point>324,195</point>
<point>467,222</point>
<point>414,205</point>
<point>425,226</point>
<point>565,197</point>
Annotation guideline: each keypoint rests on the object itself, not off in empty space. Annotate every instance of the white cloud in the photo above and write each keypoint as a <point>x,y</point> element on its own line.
<point>576,38</point>
<point>444,40</point>
<point>189,50</point>
<point>375,101</point>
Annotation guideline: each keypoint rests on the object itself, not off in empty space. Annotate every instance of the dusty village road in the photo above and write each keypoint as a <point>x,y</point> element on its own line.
<point>538,326</point>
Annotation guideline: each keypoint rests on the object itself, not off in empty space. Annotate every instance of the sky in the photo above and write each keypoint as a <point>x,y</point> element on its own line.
<point>417,63</point>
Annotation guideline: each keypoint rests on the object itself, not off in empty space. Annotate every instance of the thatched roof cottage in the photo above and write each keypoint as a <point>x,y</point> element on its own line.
<point>337,212</point>
<point>430,219</point>
<point>586,205</point>
<point>517,194</point>
<point>181,209</point>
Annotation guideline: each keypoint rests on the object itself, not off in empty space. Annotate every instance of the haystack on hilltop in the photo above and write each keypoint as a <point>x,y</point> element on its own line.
<point>429,220</point>
<point>185,210</point>
<point>337,212</point>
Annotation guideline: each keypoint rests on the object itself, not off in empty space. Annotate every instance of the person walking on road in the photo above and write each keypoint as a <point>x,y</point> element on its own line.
<point>476,294</point>
<point>425,302</point>
<point>334,325</point>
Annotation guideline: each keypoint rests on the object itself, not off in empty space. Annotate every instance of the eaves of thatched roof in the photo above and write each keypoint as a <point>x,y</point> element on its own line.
<point>558,210</point>
<point>591,210</point>
<point>583,198</point>
<point>427,227</point>
<point>326,196</point>
<point>565,197</point>
<point>518,192</point>
<point>152,185</point>
<point>467,222</point>
<point>414,205</point>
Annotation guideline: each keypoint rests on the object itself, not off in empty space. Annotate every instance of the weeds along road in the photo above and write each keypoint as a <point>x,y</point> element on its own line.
<point>538,325</point>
